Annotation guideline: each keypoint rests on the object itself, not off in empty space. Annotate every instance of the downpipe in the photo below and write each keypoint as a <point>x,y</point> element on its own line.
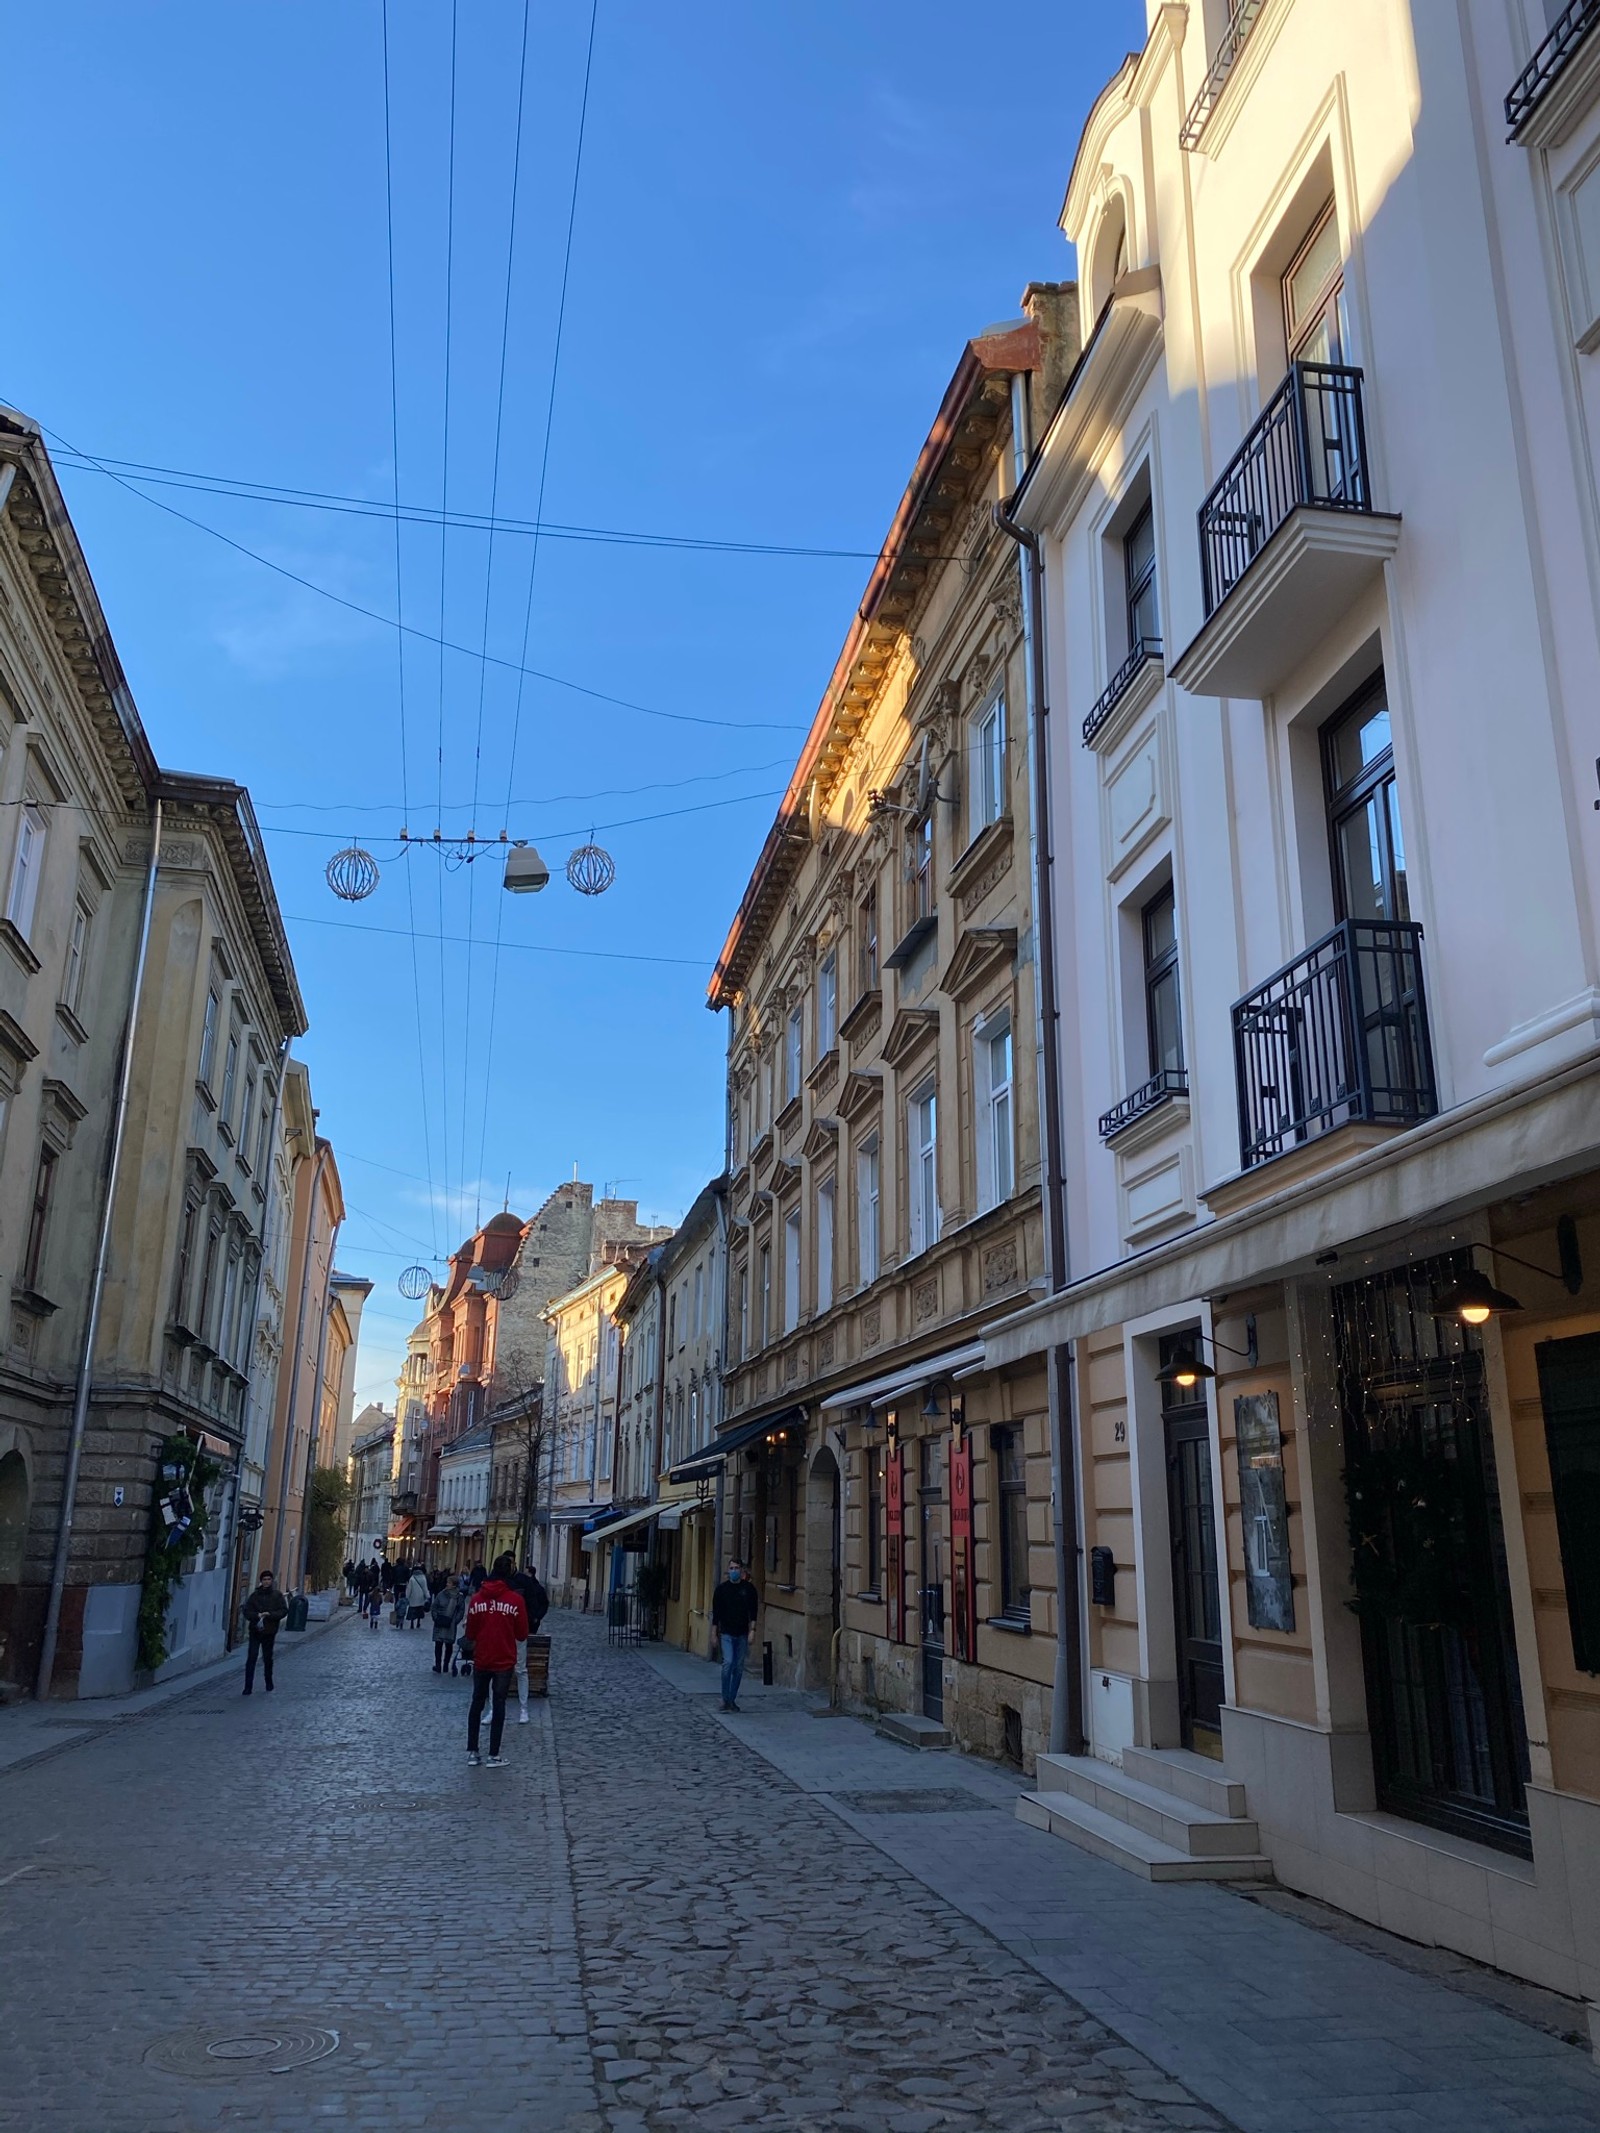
<point>1067,1735</point>
<point>97,1286</point>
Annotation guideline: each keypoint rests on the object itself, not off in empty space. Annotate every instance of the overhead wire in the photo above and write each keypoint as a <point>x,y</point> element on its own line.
<point>483,668</point>
<point>533,561</point>
<point>444,539</point>
<point>400,642</point>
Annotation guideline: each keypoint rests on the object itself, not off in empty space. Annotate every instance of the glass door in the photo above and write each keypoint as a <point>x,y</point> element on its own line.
<point>931,1572</point>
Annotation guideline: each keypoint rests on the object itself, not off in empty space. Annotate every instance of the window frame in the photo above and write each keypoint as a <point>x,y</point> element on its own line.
<point>794,1054</point>
<point>764,1293</point>
<point>869,961</point>
<point>27,867</point>
<point>1141,583</point>
<point>827,1231</point>
<point>997,1146</point>
<point>39,1212</point>
<point>827,1004</point>
<point>72,975</point>
<point>792,1263</point>
<point>1012,1586</point>
<point>988,795</point>
<point>869,1210</point>
<point>922,1166</point>
<point>1159,969</point>
<point>208,1036</point>
<point>919,868</point>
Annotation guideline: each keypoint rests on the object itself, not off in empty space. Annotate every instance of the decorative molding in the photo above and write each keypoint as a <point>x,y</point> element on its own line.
<point>861,1092</point>
<point>925,1300</point>
<point>911,1031</point>
<point>863,1018</point>
<point>980,953</point>
<point>1000,1266</point>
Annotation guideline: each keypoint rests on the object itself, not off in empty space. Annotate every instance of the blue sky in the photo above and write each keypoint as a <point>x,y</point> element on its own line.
<point>791,216</point>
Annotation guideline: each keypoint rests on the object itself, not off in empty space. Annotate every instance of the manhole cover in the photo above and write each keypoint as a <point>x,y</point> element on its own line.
<point>267,2048</point>
<point>404,1803</point>
<point>934,1801</point>
<point>20,1872</point>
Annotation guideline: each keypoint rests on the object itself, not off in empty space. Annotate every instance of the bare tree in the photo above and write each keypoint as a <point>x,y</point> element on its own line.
<point>516,1411</point>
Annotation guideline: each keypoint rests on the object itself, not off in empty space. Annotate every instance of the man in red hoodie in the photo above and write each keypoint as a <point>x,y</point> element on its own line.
<point>497,1622</point>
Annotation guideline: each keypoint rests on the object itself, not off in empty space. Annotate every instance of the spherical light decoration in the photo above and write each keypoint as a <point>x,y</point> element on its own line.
<point>510,1282</point>
<point>591,870</point>
<point>352,874</point>
<point>415,1282</point>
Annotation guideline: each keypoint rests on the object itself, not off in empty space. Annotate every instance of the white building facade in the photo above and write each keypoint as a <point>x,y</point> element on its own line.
<point>1319,557</point>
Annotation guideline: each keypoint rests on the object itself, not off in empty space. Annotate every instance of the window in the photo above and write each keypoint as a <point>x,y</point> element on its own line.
<point>874,1550</point>
<point>208,1284</point>
<point>26,869</point>
<point>989,765</point>
<point>825,1245</point>
<point>699,1301</point>
<point>672,1322</point>
<point>264,1137</point>
<point>997,1163</point>
<point>1369,857</point>
<point>868,1234</point>
<point>764,1296</point>
<point>1011,1520</point>
<point>39,1217</point>
<point>1139,571</point>
<point>791,1270</point>
<point>208,1037</point>
<point>743,1284</point>
<point>228,1332</point>
<point>1163,1020</point>
<point>793,1054</point>
<point>867,939</point>
<point>923,1145</point>
<point>827,1005</point>
<point>247,1112</point>
<point>230,1077</point>
<point>77,957</point>
<point>919,867</point>
<point>1314,321</point>
<point>180,1287</point>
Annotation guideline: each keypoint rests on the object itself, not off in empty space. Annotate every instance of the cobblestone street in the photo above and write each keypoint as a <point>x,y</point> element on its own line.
<point>312,1911</point>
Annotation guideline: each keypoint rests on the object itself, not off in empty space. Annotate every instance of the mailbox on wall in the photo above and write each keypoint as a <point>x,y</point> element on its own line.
<point>1102,1577</point>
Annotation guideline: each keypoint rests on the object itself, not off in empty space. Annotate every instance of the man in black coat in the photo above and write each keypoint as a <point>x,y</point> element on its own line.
<point>734,1607</point>
<point>264,1612</point>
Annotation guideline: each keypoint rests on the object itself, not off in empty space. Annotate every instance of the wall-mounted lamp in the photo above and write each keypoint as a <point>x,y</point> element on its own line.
<point>1474,1298</point>
<point>1188,1367</point>
<point>931,1410</point>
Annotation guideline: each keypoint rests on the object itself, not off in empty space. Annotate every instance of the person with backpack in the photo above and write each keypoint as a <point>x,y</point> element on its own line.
<point>448,1605</point>
<point>537,1601</point>
<point>497,1622</point>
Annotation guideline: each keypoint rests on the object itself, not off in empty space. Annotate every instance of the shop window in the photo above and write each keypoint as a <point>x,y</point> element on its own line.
<point>1011,1520</point>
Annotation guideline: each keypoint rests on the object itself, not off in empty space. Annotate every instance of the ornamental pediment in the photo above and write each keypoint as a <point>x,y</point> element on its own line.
<point>981,952</point>
<point>911,1031</point>
<point>821,1140</point>
<point>860,1094</point>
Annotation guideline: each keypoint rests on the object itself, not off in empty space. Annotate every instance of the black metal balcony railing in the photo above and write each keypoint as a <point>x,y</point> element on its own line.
<point>1309,447</point>
<point>1170,1082</point>
<point>1550,62</point>
<point>1339,1035</point>
<point>1234,38</point>
<point>1145,649</point>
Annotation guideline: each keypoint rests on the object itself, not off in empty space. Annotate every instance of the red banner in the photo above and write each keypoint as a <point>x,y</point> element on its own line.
<point>894,1545</point>
<point>963,1584</point>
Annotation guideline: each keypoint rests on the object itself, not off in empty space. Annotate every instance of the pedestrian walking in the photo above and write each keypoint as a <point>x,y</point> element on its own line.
<point>349,1575</point>
<point>417,1597</point>
<point>449,1604</point>
<point>478,1576</point>
<point>537,1602</point>
<point>264,1612</point>
<point>497,1622</point>
<point>463,1659</point>
<point>734,1607</point>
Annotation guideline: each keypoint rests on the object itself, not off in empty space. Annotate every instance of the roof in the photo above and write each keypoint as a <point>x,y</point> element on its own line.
<point>226,806</point>
<point>476,1439</point>
<point>974,402</point>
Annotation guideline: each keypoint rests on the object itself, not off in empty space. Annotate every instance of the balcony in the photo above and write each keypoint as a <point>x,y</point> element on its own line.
<point>1338,1037</point>
<point>1289,540</point>
<point>1559,82</point>
<point>1160,1089</point>
<point>1137,679</point>
<point>1241,21</point>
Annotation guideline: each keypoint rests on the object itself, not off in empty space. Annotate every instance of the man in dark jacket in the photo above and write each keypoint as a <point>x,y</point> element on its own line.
<point>537,1601</point>
<point>497,1622</point>
<point>264,1612</point>
<point>734,1606</point>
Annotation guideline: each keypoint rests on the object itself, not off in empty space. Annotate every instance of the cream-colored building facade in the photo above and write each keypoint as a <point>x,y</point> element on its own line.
<point>890,1493</point>
<point>97,844</point>
<point>1320,557</point>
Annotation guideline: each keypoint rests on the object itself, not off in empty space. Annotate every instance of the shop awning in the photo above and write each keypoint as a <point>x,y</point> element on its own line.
<point>625,1524</point>
<point>705,1462</point>
<point>884,1391</point>
<point>441,1533</point>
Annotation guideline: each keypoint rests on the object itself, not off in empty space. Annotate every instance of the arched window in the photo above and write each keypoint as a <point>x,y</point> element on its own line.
<point>1109,256</point>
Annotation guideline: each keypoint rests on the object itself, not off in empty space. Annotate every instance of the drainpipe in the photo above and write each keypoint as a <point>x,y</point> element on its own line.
<point>268,1239</point>
<point>97,1285</point>
<point>316,1416</point>
<point>294,1376</point>
<point>1067,1688</point>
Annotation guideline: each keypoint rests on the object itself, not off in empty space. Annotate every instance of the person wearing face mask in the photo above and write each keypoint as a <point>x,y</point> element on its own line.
<point>734,1606</point>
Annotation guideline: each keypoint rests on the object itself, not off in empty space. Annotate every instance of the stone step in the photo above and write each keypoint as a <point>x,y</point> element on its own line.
<point>1192,1777</point>
<point>912,1730</point>
<point>1125,1846</point>
<point>1160,1814</point>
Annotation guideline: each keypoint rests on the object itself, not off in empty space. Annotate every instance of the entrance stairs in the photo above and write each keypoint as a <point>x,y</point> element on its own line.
<point>1166,1814</point>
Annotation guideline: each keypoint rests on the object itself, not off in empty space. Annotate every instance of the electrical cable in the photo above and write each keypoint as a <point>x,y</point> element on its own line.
<point>595,955</point>
<point>533,561</point>
<point>399,601</point>
<point>549,799</point>
<point>488,588</point>
<point>410,629</point>
<point>444,540</point>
